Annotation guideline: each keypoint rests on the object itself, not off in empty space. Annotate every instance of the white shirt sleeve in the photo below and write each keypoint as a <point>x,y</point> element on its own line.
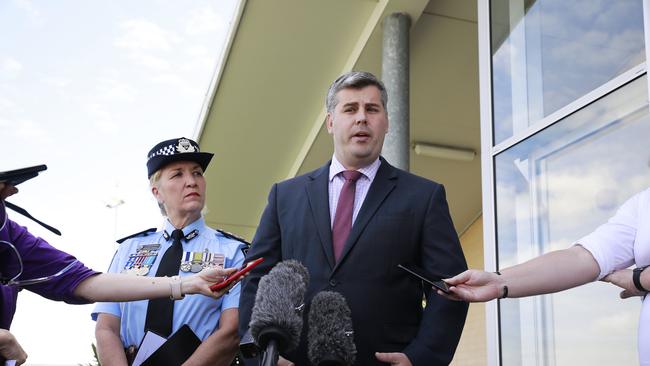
<point>612,244</point>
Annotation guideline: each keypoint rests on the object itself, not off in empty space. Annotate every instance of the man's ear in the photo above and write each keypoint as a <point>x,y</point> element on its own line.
<point>329,122</point>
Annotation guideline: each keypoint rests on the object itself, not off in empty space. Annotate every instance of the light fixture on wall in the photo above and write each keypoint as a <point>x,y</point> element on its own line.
<point>444,152</point>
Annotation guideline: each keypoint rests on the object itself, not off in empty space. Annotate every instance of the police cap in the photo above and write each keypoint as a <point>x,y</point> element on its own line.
<point>179,149</point>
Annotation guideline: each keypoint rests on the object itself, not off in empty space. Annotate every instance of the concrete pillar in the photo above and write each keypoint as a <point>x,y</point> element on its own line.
<point>395,75</point>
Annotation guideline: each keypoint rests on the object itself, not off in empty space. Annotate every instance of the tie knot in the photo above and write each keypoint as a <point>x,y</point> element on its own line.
<point>351,175</point>
<point>177,234</point>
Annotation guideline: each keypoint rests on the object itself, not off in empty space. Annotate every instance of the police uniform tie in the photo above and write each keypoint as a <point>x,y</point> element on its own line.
<point>160,312</point>
<point>343,216</point>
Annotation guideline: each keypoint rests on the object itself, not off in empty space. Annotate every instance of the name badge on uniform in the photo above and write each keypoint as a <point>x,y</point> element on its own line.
<point>139,263</point>
<point>196,261</point>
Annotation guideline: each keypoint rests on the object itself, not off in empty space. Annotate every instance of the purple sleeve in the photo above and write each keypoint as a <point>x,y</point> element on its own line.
<point>40,259</point>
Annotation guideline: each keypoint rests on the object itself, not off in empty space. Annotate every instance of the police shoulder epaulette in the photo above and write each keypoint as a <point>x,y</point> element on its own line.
<point>141,233</point>
<point>233,236</point>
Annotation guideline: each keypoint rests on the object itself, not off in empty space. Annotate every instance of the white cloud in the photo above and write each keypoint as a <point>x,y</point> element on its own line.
<point>6,104</point>
<point>32,11</point>
<point>199,58</point>
<point>31,131</point>
<point>150,61</point>
<point>205,20</point>
<point>148,44</point>
<point>140,34</point>
<point>169,79</point>
<point>116,90</point>
<point>197,51</point>
<point>10,68</point>
<point>57,81</point>
<point>102,119</point>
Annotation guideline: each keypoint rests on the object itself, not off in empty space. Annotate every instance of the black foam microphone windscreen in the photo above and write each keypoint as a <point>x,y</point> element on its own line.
<point>330,338</point>
<point>276,313</point>
<point>298,269</point>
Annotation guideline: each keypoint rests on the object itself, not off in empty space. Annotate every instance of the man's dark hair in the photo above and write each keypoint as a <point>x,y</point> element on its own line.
<point>354,80</point>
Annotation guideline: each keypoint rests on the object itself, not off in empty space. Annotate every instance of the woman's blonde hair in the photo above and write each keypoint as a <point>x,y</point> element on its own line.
<point>153,182</point>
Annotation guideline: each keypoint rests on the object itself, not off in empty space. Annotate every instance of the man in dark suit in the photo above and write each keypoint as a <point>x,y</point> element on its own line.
<point>351,222</point>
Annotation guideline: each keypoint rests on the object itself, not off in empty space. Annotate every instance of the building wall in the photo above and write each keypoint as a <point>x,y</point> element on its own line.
<point>472,347</point>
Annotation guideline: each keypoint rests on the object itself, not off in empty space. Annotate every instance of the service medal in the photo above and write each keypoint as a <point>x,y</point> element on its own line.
<point>196,268</point>
<point>216,260</point>
<point>186,266</point>
<point>139,263</point>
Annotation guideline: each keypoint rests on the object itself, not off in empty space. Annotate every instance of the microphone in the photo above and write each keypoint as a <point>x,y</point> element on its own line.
<point>298,269</point>
<point>276,319</point>
<point>330,338</point>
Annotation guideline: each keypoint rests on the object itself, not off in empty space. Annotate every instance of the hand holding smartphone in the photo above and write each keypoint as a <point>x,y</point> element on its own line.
<point>235,276</point>
<point>419,273</point>
<point>15,177</point>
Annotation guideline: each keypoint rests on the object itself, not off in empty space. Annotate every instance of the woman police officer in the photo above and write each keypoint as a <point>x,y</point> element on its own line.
<point>185,245</point>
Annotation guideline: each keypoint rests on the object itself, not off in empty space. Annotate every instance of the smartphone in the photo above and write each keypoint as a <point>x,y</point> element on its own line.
<point>15,177</point>
<point>235,276</point>
<point>420,274</point>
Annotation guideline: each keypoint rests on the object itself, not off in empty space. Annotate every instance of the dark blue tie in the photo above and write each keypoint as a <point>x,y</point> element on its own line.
<point>160,312</point>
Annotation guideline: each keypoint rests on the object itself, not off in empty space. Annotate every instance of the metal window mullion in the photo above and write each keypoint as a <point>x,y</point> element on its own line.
<point>571,108</point>
<point>646,33</point>
<point>487,177</point>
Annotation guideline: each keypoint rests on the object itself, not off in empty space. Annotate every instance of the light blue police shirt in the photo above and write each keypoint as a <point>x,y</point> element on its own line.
<point>200,312</point>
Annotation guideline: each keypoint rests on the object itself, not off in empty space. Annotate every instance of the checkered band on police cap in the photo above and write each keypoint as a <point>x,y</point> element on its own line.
<point>176,146</point>
<point>179,149</point>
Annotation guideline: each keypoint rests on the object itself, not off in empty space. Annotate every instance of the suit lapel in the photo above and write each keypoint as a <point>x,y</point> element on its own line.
<point>384,182</point>
<point>318,195</point>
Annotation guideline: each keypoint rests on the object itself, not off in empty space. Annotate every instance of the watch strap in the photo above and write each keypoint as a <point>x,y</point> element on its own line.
<point>636,278</point>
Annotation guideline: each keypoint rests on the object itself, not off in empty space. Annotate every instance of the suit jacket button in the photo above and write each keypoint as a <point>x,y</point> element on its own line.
<point>333,283</point>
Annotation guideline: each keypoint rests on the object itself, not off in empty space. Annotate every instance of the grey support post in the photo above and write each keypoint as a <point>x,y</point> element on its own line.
<point>395,75</point>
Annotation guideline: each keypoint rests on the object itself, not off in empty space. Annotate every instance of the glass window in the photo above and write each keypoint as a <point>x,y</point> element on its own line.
<point>548,53</point>
<point>552,189</point>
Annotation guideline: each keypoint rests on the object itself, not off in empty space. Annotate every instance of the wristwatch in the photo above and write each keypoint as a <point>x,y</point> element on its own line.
<point>636,278</point>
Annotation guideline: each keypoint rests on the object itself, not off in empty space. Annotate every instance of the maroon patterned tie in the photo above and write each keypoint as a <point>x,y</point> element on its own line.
<point>343,216</point>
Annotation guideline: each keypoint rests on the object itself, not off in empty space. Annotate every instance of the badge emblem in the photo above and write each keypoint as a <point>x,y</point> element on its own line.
<point>184,146</point>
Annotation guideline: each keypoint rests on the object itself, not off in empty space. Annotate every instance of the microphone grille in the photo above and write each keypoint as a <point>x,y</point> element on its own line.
<point>331,337</point>
<point>296,267</point>
<point>275,316</point>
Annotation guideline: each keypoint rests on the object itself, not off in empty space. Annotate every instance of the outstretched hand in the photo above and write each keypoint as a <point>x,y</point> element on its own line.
<point>200,283</point>
<point>10,349</point>
<point>623,279</point>
<point>7,190</point>
<point>473,286</point>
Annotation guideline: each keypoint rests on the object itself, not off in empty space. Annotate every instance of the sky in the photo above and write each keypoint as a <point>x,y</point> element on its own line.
<point>87,88</point>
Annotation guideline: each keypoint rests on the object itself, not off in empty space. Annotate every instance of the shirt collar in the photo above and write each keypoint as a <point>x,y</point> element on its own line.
<point>199,225</point>
<point>369,171</point>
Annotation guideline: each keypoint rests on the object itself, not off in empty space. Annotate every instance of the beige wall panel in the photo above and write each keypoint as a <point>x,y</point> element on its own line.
<point>472,349</point>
